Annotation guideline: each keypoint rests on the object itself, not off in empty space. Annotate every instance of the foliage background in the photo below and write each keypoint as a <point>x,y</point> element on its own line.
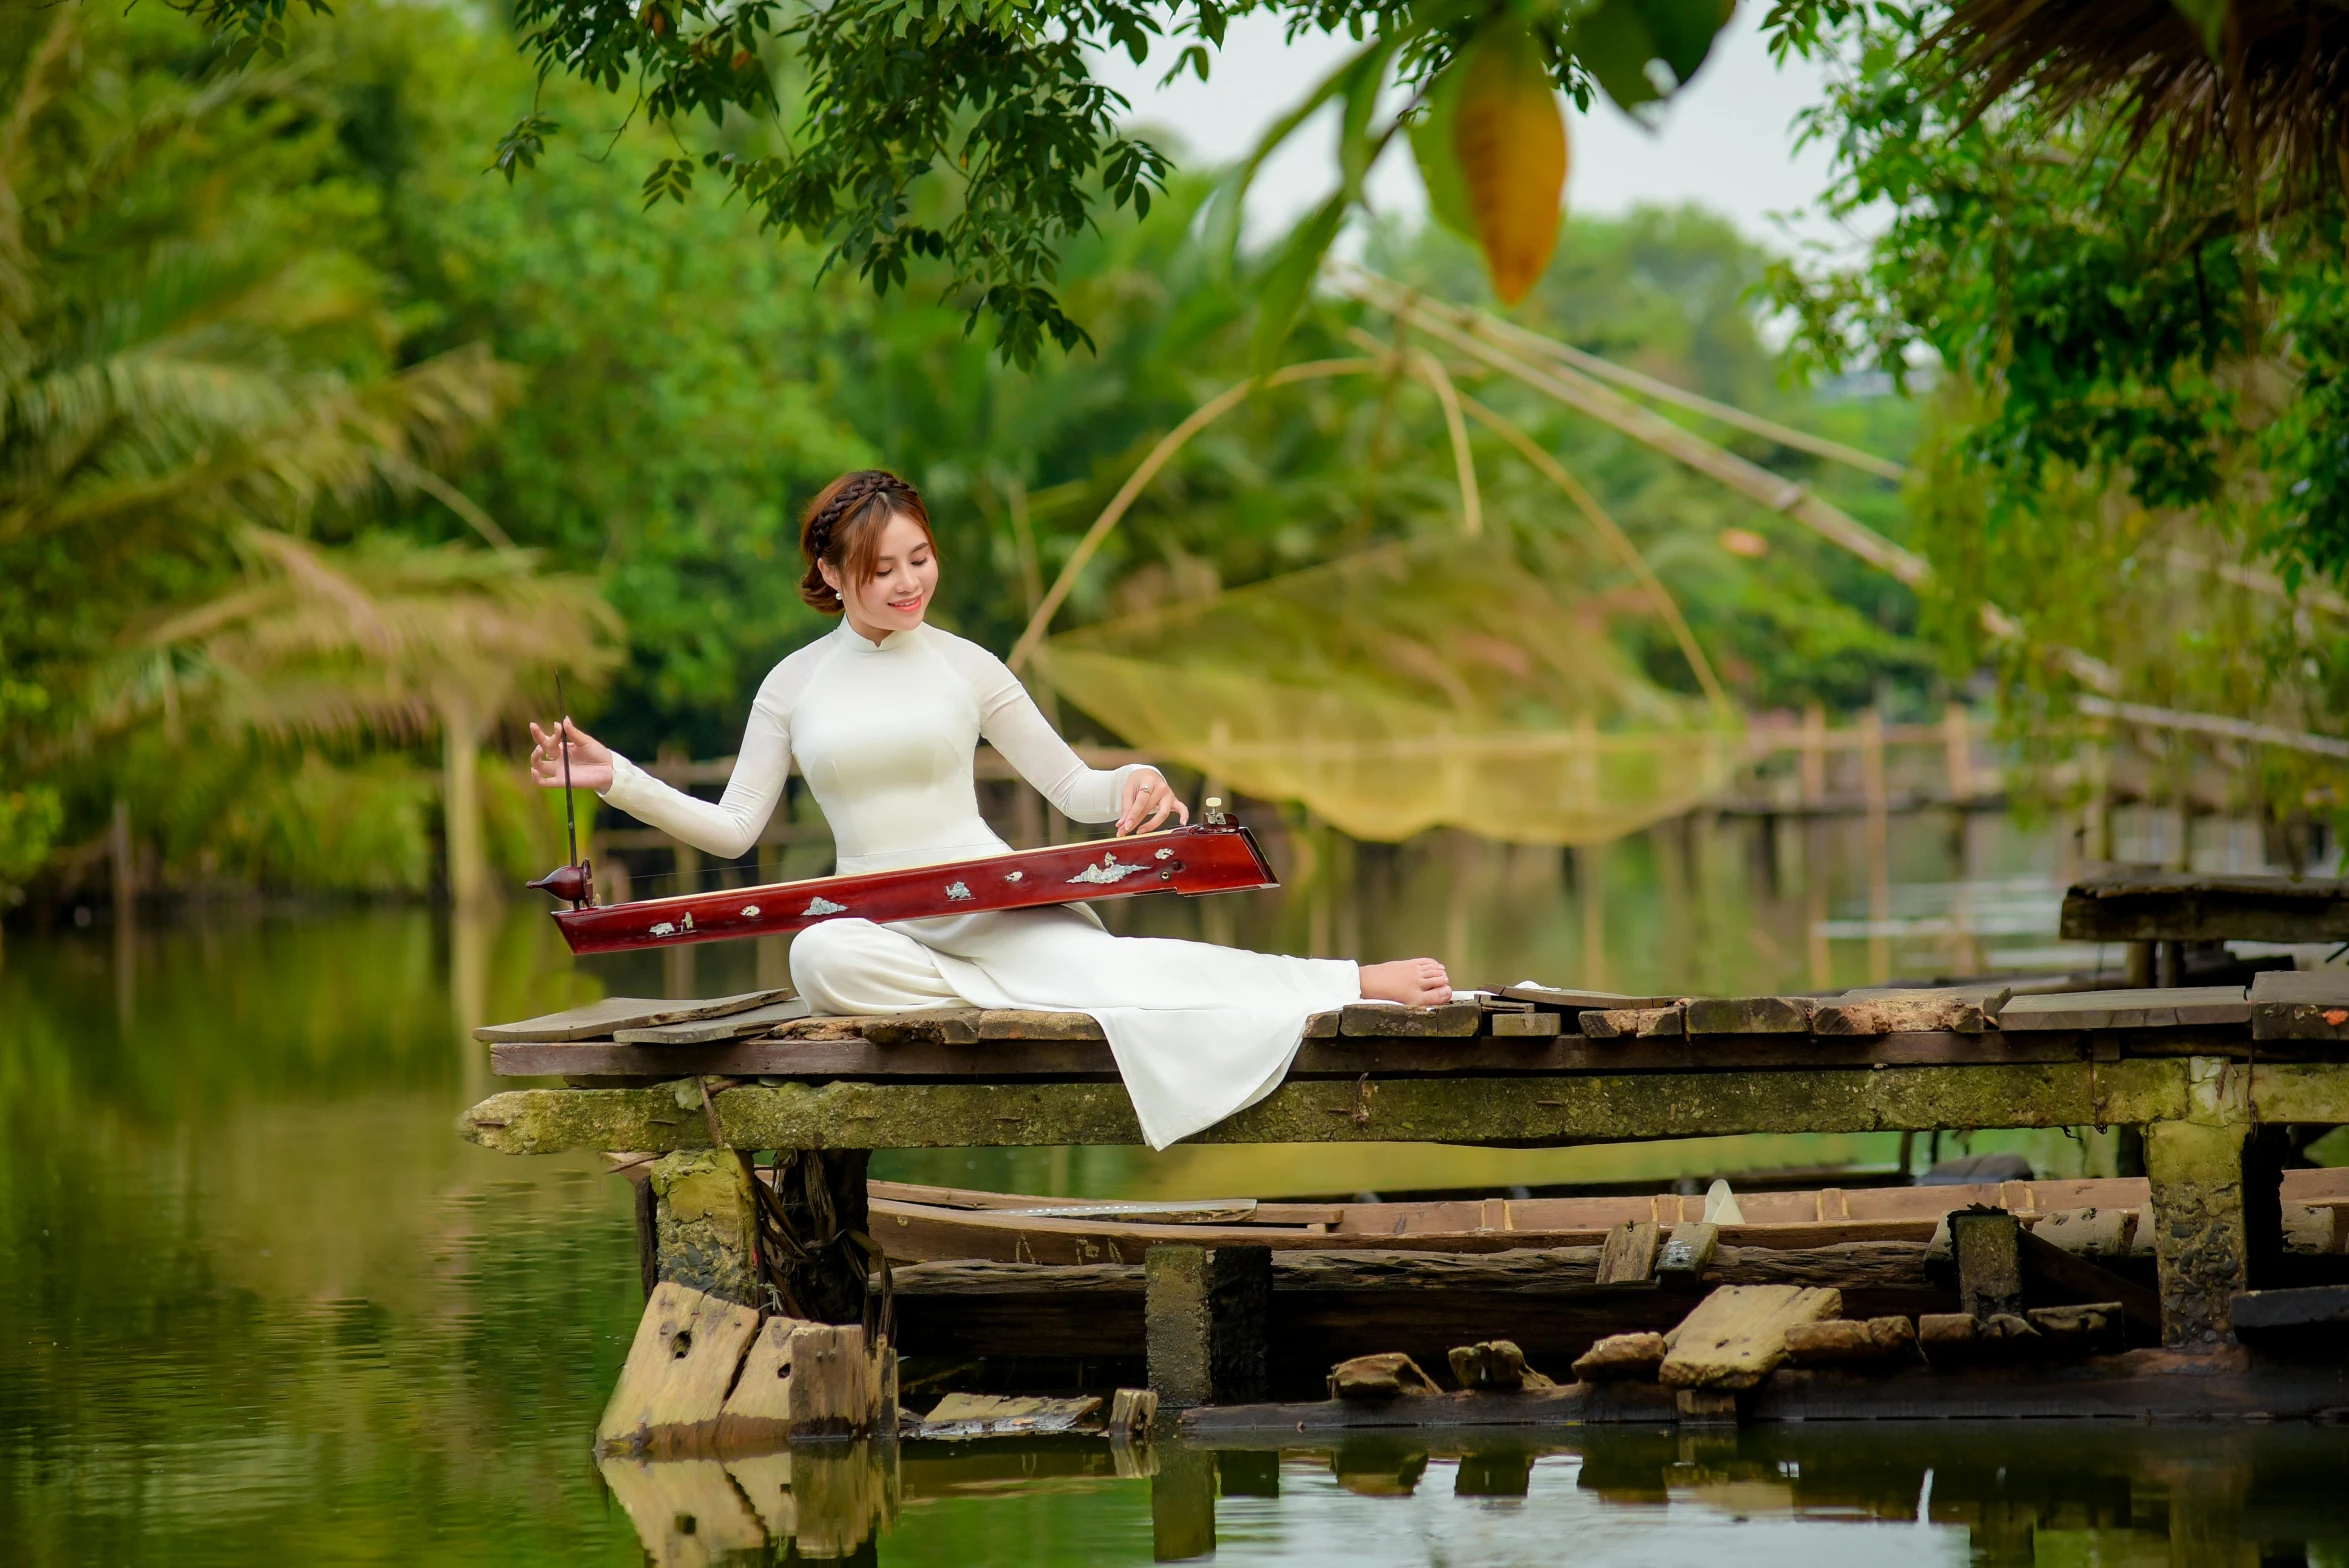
<point>669,384</point>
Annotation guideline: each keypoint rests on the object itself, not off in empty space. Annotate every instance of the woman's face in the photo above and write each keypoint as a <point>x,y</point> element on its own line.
<point>897,595</point>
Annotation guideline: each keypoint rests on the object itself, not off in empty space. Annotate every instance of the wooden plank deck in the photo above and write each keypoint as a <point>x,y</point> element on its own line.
<point>2288,1017</point>
<point>2148,905</point>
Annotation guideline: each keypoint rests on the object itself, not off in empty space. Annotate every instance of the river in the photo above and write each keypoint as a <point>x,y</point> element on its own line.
<point>259,1304</point>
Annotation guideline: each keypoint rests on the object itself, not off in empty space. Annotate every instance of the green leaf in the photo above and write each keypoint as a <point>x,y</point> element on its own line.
<point>1614,45</point>
<point>1280,294</point>
<point>1683,31</point>
<point>1439,165</point>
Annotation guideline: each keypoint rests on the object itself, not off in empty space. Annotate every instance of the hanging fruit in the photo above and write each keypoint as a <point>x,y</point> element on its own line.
<point>1509,140</point>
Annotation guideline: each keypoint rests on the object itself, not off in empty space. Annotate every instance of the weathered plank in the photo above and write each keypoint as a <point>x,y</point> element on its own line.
<point>1484,1055</point>
<point>757,1413</point>
<point>1635,1023</point>
<point>1382,1020</point>
<point>1628,1255</point>
<point>1843,1341</point>
<point>963,1416</point>
<point>1688,1251</point>
<point>597,1020</point>
<point>1582,1001</point>
<point>1494,1365</point>
<point>1529,1111</point>
<point>2300,1004</point>
<point>2269,1316</point>
<point>1749,1015</point>
<point>2088,1232</point>
<point>707,1031</point>
<point>1388,1375</point>
<point>1621,1356</point>
<point>2147,905</point>
<point>673,1386</point>
<point>835,1382</point>
<point>2171,1008</point>
<point>1525,1026</point>
<point>1959,1009</point>
<point>1737,1334</point>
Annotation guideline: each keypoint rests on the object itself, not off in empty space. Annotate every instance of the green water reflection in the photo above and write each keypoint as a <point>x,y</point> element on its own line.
<point>259,1305</point>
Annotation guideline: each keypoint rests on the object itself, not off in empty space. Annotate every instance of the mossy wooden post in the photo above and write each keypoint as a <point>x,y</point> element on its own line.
<point>2201,1241</point>
<point>704,1225</point>
<point>1206,1315</point>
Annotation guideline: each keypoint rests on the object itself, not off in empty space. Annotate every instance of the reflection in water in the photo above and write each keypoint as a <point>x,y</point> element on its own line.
<point>1995,1495</point>
<point>259,1305</point>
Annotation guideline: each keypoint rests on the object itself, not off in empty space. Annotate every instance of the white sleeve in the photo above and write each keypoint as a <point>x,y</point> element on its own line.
<point>1012,723</point>
<point>730,826</point>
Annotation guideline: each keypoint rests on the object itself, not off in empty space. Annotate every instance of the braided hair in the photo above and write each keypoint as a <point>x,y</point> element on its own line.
<point>842,529</point>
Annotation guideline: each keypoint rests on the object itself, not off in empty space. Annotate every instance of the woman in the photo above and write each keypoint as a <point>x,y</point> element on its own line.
<point>883,716</point>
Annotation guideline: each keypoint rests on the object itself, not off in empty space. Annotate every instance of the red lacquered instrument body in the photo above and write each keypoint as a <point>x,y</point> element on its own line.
<point>1193,860</point>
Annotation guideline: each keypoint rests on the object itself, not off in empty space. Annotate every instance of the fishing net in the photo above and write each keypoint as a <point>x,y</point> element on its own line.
<point>1436,684</point>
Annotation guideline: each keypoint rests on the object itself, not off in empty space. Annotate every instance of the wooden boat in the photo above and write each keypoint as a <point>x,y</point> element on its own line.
<point>940,1224</point>
<point>1215,855</point>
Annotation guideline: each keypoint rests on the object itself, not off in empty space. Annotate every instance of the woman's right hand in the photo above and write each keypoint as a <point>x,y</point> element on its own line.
<point>591,759</point>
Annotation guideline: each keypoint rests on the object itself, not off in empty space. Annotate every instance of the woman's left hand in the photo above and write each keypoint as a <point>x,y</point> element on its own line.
<point>1146,796</point>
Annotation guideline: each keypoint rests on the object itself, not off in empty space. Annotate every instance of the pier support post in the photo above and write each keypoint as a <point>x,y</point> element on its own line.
<point>703,1225</point>
<point>1206,1314</point>
<point>2200,1241</point>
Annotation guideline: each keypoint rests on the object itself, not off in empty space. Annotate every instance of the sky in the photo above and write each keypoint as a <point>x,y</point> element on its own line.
<point>1726,142</point>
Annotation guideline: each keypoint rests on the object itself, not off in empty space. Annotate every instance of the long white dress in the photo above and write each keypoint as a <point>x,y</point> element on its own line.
<point>885,735</point>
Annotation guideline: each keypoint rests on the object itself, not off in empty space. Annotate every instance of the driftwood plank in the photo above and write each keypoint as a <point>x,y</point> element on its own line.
<point>597,1020</point>
<point>1381,1020</point>
<point>673,1387</point>
<point>2171,1008</point>
<point>2300,1004</point>
<point>1749,1015</point>
<point>710,1031</point>
<point>1737,1334</point>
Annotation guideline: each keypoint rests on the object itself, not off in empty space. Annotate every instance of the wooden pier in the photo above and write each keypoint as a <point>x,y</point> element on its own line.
<point>2209,1074</point>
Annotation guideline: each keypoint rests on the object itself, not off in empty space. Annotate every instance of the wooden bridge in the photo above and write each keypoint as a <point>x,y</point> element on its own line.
<point>2212,1075</point>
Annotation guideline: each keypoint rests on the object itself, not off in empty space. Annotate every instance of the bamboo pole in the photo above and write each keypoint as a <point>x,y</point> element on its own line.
<point>1172,442</point>
<point>1663,391</point>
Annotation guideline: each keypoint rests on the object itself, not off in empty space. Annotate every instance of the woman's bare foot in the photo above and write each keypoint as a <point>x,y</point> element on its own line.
<point>1415,982</point>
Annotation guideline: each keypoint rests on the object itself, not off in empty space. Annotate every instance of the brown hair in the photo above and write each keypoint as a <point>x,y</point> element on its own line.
<point>842,527</point>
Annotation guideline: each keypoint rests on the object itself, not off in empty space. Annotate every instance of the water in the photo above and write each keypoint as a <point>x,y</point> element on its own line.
<point>258,1304</point>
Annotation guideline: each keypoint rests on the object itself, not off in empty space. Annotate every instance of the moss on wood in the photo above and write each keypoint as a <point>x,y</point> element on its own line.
<point>1511,1112</point>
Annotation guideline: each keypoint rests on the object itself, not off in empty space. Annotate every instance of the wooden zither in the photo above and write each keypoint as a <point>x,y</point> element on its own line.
<point>1215,855</point>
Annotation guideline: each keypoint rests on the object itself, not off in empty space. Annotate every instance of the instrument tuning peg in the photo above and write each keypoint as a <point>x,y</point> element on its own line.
<point>574,883</point>
<point>1212,816</point>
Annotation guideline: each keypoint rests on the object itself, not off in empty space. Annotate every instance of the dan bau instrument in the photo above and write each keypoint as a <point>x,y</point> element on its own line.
<point>1214,855</point>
